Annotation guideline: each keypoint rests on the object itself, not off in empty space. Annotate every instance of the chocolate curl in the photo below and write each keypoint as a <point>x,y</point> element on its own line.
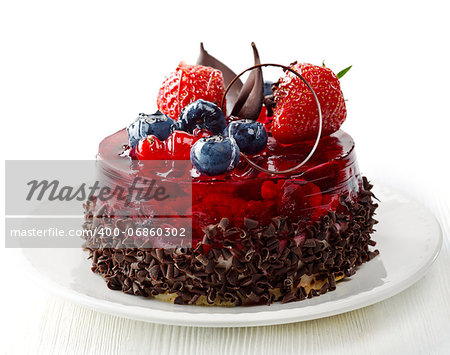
<point>208,60</point>
<point>251,97</point>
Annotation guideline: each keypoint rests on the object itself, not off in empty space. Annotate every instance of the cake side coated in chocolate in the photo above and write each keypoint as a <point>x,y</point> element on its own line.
<point>266,263</point>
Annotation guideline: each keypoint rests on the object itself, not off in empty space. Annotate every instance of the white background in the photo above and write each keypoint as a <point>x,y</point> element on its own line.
<point>73,72</point>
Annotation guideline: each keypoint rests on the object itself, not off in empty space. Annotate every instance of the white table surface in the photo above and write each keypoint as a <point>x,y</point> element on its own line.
<point>74,72</point>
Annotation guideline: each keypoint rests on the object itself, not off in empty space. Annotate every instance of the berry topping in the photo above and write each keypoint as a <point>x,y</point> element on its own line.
<point>156,124</point>
<point>189,83</point>
<point>268,190</point>
<point>179,145</point>
<point>297,196</point>
<point>250,136</point>
<point>202,114</point>
<point>292,199</point>
<point>296,116</point>
<point>150,148</point>
<point>313,194</point>
<point>215,155</point>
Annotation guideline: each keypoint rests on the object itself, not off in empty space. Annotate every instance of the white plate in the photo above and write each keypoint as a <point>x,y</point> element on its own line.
<point>408,237</point>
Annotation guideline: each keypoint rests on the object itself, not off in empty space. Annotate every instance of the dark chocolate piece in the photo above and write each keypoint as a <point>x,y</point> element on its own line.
<point>251,97</point>
<point>269,102</point>
<point>208,60</point>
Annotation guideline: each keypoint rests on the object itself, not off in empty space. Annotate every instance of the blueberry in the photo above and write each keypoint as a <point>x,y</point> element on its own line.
<point>250,136</point>
<point>156,124</point>
<point>203,115</point>
<point>268,88</point>
<point>215,155</point>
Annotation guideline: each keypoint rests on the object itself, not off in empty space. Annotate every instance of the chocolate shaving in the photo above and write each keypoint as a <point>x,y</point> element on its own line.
<point>226,253</point>
<point>223,224</point>
<point>250,223</point>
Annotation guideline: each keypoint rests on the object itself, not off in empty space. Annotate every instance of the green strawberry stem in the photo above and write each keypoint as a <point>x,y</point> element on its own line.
<point>343,72</point>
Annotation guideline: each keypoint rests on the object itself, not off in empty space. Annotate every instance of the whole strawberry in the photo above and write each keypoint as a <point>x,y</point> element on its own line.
<point>296,116</point>
<point>189,83</point>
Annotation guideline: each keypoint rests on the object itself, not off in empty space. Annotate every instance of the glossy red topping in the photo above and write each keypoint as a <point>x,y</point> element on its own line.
<point>151,148</point>
<point>179,144</point>
<point>332,172</point>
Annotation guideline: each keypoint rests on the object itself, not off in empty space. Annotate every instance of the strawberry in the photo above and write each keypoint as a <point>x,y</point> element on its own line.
<point>189,83</point>
<point>296,115</point>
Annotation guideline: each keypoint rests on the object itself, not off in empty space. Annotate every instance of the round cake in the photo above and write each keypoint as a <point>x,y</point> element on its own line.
<point>257,236</point>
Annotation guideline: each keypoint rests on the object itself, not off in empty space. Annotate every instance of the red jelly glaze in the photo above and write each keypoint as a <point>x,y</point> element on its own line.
<point>246,192</point>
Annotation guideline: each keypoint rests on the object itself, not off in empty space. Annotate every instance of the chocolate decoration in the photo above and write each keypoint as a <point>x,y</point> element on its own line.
<point>251,97</point>
<point>335,246</point>
<point>270,104</point>
<point>208,60</point>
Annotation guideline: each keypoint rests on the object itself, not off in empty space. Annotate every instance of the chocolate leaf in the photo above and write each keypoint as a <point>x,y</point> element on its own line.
<point>251,97</point>
<point>208,60</point>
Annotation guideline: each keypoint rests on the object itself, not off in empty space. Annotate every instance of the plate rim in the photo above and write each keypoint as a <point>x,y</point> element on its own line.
<point>179,317</point>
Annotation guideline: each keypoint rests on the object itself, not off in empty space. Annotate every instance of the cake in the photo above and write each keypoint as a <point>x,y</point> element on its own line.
<point>257,236</point>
